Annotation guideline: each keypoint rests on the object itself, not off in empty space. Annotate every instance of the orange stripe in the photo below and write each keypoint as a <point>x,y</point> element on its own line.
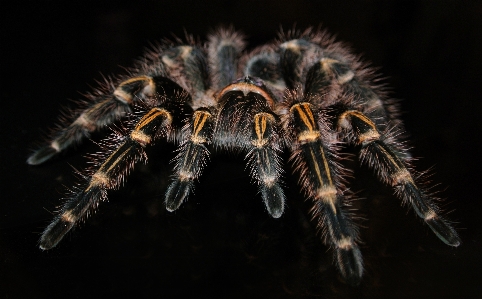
<point>151,115</point>
<point>135,79</point>
<point>199,124</point>
<point>325,162</point>
<point>245,88</point>
<point>359,115</point>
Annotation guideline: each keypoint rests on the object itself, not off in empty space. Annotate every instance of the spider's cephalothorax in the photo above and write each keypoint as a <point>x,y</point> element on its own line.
<point>303,93</point>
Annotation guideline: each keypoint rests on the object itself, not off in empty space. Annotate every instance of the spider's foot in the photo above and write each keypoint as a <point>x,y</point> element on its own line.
<point>428,211</point>
<point>177,192</point>
<point>73,210</point>
<point>54,233</point>
<point>350,264</point>
<point>274,200</point>
<point>41,155</point>
<point>443,230</point>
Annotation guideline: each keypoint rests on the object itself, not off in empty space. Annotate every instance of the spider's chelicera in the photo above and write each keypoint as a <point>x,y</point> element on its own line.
<point>303,92</point>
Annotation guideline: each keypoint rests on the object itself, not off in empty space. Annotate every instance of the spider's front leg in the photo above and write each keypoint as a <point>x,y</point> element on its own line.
<point>191,158</point>
<point>246,122</point>
<point>314,158</point>
<point>383,154</point>
<point>314,155</point>
<point>156,123</point>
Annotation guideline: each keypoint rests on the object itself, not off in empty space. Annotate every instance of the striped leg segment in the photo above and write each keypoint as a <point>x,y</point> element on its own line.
<point>224,49</point>
<point>331,71</point>
<point>263,63</point>
<point>109,175</point>
<point>104,111</point>
<point>265,163</point>
<point>191,159</point>
<point>341,77</point>
<point>392,167</point>
<point>100,114</point>
<point>246,122</point>
<point>315,161</point>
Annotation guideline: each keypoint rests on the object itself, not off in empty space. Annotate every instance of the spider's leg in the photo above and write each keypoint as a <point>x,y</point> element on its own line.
<point>263,63</point>
<point>113,100</point>
<point>105,109</point>
<point>246,122</point>
<point>392,167</point>
<point>191,159</point>
<point>113,169</point>
<point>329,69</point>
<point>101,113</point>
<point>314,155</point>
<point>314,158</point>
<point>335,76</point>
<point>225,45</point>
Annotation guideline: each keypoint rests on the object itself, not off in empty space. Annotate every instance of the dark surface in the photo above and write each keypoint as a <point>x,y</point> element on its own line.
<point>222,243</point>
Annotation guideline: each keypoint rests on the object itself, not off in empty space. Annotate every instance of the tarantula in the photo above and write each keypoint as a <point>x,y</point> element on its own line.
<point>303,92</point>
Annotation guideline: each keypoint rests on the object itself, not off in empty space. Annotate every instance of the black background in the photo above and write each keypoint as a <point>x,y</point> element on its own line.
<point>222,243</point>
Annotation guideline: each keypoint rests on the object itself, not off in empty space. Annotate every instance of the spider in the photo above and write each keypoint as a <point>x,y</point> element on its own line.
<point>304,92</point>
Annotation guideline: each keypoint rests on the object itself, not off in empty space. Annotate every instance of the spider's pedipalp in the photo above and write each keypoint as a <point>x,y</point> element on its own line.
<point>392,168</point>
<point>246,122</point>
<point>265,162</point>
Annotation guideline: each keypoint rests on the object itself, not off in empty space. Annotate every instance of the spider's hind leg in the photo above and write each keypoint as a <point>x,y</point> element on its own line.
<point>392,167</point>
<point>103,111</point>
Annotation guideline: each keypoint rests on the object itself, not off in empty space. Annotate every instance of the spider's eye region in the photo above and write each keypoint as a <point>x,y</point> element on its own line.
<point>246,86</point>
